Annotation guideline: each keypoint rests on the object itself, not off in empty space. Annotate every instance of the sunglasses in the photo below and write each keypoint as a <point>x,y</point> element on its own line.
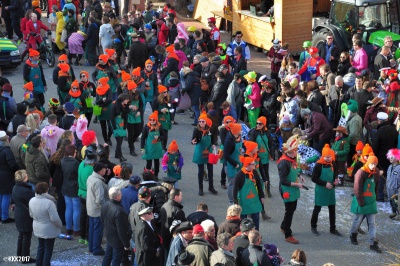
<point>100,59</point>
<point>252,164</point>
<point>228,122</point>
<point>258,123</point>
<point>343,57</point>
<point>329,38</point>
<point>151,119</point>
<point>202,121</point>
<point>165,91</point>
<point>82,76</point>
<point>239,36</point>
<point>74,88</point>
<point>61,61</point>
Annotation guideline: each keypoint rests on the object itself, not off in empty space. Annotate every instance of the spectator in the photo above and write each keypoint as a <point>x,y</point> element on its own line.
<point>106,32</point>
<point>96,197</point>
<point>33,71</point>
<point>223,255</point>
<point>183,235</point>
<point>329,51</point>
<point>46,222</point>
<point>130,193</point>
<point>200,215</point>
<point>354,127</point>
<point>232,223</point>
<point>138,54</point>
<point>36,162</point>
<point>7,92</point>
<point>219,91</point>
<point>344,64</point>
<point>238,42</point>
<point>199,247</point>
<point>363,96</point>
<point>21,195</point>
<point>242,241</point>
<point>238,63</point>
<point>312,64</point>
<point>116,227</point>
<point>51,134</point>
<point>17,141</point>
<point>210,233</point>
<point>19,118</point>
<point>298,257</point>
<point>234,94</point>
<point>360,57</point>
<point>254,253</point>
<point>381,61</point>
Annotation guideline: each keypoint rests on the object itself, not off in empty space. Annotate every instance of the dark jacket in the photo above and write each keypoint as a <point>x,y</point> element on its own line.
<point>239,65</point>
<point>116,225</point>
<point>15,8</point>
<point>172,66</point>
<point>380,61</point>
<point>8,166</point>
<point>69,168</point>
<point>269,106</point>
<point>57,69</point>
<point>8,115</point>
<point>218,93</point>
<point>92,35</point>
<point>199,216</point>
<point>36,166</point>
<point>172,33</point>
<point>159,196</point>
<point>316,97</point>
<point>229,148</point>
<point>240,244</point>
<point>67,121</point>
<point>99,9</point>
<point>137,55</point>
<point>193,87</point>
<point>229,226</point>
<point>320,129</point>
<point>170,211</point>
<point>147,242</point>
<point>385,140</point>
<point>118,109</point>
<point>57,175</point>
<point>21,195</point>
<point>16,121</point>
<point>334,52</point>
<point>362,97</point>
<point>133,215</point>
<point>343,67</point>
<point>208,73</point>
<point>253,255</point>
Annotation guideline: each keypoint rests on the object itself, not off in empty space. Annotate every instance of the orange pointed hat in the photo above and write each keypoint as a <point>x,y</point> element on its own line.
<point>125,76</point>
<point>250,145</point>
<point>161,89</point>
<point>173,146</point>
<point>131,85</point>
<point>136,72</point>
<point>29,86</point>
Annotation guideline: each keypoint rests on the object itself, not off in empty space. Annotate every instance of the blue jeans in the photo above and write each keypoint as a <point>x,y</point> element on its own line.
<point>113,256</point>
<point>45,251</point>
<point>4,204</point>
<point>371,226</point>
<point>72,213</point>
<point>255,217</point>
<point>95,234</point>
<point>196,111</point>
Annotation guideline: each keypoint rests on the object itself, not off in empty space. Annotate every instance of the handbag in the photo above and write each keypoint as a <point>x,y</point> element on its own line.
<point>185,102</point>
<point>10,128</point>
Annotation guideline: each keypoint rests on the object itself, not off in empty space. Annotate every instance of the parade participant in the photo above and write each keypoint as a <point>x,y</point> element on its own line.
<point>393,181</point>
<point>238,42</point>
<point>141,89</point>
<point>248,191</point>
<point>290,184</point>
<point>304,55</point>
<point>324,178</point>
<point>151,143</point>
<point>276,59</point>
<point>223,132</point>
<point>104,100</point>
<point>364,201</point>
<point>202,139</point>
<point>33,27</point>
<point>311,65</point>
<point>215,35</point>
<point>353,126</point>
<point>134,122</point>
<point>33,71</point>
<point>112,56</point>
<point>172,162</point>
<point>76,97</point>
<point>252,98</point>
<point>151,83</point>
<point>341,148</point>
<point>51,134</point>
<point>88,91</point>
<point>392,90</point>
<point>118,117</point>
<point>163,106</point>
<point>232,151</point>
<point>105,69</point>
<point>259,135</point>
<point>356,157</point>
<point>62,59</point>
<point>64,81</point>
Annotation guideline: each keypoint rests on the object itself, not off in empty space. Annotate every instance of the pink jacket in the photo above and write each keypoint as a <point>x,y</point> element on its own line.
<point>51,134</point>
<point>182,57</point>
<point>255,95</point>
<point>360,61</point>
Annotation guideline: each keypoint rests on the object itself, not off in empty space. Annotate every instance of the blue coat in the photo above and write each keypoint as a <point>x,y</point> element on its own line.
<point>129,196</point>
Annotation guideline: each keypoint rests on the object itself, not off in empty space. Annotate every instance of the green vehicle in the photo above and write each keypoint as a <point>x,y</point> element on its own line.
<point>9,53</point>
<point>370,18</point>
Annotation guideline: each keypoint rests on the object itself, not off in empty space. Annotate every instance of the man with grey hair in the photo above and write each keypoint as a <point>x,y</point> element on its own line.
<point>254,255</point>
<point>17,141</point>
<point>209,233</point>
<point>116,227</point>
<point>224,255</point>
<point>337,95</point>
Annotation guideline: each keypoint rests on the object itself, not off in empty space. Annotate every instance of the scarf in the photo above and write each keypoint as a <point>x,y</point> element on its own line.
<point>250,175</point>
<point>75,94</point>
<point>84,85</point>
<point>233,217</point>
<point>369,171</point>
<point>322,161</point>
<point>63,74</point>
<point>148,73</point>
<point>204,131</point>
<point>287,158</point>
<point>101,90</point>
<point>102,67</point>
<point>155,127</point>
<point>140,80</point>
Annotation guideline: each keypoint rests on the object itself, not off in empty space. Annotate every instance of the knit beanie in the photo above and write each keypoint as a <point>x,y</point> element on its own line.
<point>263,120</point>
<point>250,145</point>
<point>173,147</point>
<point>359,146</point>
<point>353,106</point>
<point>235,128</point>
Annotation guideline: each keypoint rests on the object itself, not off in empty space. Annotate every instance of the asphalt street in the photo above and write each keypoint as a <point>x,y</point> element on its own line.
<point>319,249</point>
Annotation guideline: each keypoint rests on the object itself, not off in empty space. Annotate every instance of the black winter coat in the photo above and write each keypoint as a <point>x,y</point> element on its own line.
<point>116,224</point>
<point>15,8</point>
<point>137,55</point>
<point>219,94</point>
<point>229,226</point>
<point>343,67</point>
<point>199,216</point>
<point>334,52</point>
<point>69,168</point>
<point>172,66</point>
<point>147,242</point>
<point>21,195</point>
<point>57,175</point>
<point>386,139</point>
<point>170,211</point>
<point>16,121</point>
<point>241,243</point>
<point>239,65</point>
<point>92,35</point>
<point>269,107</point>
<point>254,255</point>
<point>193,87</point>
<point>8,166</point>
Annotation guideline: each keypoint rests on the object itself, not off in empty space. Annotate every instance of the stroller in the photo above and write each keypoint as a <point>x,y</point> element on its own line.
<point>275,141</point>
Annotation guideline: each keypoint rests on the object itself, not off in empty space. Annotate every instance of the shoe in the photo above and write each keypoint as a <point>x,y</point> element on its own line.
<point>95,119</point>
<point>193,124</point>
<point>122,159</point>
<point>393,215</point>
<point>335,232</point>
<point>292,240</point>
<point>175,123</point>
<point>82,241</point>
<point>8,220</point>
<point>353,239</point>
<point>30,261</point>
<point>133,153</point>
<point>213,191</point>
<point>314,231</point>
<point>99,253</point>
<point>223,186</point>
<point>360,231</point>
<point>180,111</point>
<point>76,63</point>
<point>69,232</point>
<point>282,231</point>
<point>264,216</point>
<point>375,247</point>
<point>125,138</point>
<point>201,193</point>
<point>348,179</point>
<point>380,200</point>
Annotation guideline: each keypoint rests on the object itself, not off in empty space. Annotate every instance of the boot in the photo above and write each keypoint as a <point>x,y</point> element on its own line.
<point>264,216</point>
<point>201,193</point>
<point>133,153</point>
<point>122,159</point>
<point>314,231</point>
<point>95,119</point>
<point>341,180</point>
<point>353,239</point>
<point>375,247</point>
<point>213,191</point>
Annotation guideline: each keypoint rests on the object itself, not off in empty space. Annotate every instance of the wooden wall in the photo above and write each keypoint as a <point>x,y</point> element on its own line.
<point>203,9</point>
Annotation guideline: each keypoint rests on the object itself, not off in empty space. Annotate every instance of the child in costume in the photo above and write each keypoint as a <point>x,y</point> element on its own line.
<point>363,159</point>
<point>172,162</point>
<point>393,180</point>
<point>307,157</point>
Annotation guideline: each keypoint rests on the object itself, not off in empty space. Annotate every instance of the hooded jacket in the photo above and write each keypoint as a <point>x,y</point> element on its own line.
<point>36,166</point>
<point>193,87</point>
<point>51,134</point>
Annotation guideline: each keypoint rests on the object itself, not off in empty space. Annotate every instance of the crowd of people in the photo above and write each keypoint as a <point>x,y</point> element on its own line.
<point>335,105</point>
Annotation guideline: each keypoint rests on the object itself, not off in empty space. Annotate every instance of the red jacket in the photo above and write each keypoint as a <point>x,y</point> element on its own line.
<point>30,28</point>
<point>312,62</point>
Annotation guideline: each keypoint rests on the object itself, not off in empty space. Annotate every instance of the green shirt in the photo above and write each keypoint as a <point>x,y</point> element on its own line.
<point>84,171</point>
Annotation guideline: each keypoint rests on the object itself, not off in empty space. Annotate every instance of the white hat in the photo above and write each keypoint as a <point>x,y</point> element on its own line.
<point>3,134</point>
<point>382,116</point>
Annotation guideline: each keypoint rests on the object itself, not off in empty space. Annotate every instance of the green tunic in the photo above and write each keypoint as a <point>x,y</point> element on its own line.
<point>77,102</point>
<point>133,118</point>
<point>263,148</point>
<point>153,148</point>
<point>232,171</point>
<point>201,150</point>
<point>119,78</point>
<point>369,199</point>
<point>173,161</point>
<point>324,196</point>
<point>164,119</point>
<point>105,110</point>
<point>294,192</point>
<point>150,92</point>
<point>248,197</point>
<point>119,131</point>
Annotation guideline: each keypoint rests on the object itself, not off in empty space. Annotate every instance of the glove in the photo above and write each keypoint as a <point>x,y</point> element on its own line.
<point>49,32</point>
<point>33,34</point>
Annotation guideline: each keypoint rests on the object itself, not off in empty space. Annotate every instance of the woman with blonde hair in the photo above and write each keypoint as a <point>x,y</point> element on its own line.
<point>31,121</point>
<point>298,258</point>
<point>232,223</point>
